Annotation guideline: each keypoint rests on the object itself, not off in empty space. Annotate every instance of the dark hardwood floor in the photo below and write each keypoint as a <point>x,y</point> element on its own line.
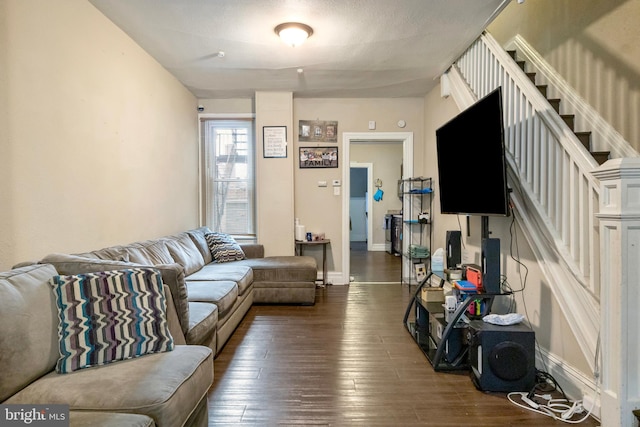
<point>373,266</point>
<point>346,361</point>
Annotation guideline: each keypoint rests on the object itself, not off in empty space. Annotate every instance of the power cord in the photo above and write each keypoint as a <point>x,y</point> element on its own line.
<point>559,409</point>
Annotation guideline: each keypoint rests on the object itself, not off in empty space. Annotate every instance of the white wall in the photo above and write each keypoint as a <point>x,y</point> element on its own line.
<point>99,142</point>
<point>274,177</point>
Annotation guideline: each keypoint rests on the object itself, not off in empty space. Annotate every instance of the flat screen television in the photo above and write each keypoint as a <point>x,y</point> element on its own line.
<point>472,176</point>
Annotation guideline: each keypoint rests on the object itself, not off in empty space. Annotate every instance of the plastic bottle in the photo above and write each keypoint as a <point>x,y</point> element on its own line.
<point>437,260</point>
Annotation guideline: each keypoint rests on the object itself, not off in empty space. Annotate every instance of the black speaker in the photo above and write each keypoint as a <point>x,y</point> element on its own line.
<point>491,265</point>
<point>502,358</point>
<point>454,252</point>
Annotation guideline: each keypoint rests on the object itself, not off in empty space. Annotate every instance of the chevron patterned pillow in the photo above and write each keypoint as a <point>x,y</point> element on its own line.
<point>223,247</point>
<point>109,316</point>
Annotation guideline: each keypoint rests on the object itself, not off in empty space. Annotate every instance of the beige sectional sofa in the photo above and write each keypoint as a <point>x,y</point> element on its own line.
<point>206,300</point>
<point>163,389</point>
<point>211,298</point>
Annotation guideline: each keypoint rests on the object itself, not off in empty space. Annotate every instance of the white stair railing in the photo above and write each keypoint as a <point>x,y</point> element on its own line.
<point>555,195</point>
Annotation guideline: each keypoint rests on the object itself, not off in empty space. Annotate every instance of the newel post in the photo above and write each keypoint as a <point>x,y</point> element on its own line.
<point>619,219</point>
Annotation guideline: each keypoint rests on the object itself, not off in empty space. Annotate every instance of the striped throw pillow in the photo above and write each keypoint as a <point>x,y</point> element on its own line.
<point>223,247</point>
<point>109,316</point>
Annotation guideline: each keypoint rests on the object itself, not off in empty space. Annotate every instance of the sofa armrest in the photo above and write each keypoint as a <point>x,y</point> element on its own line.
<point>252,250</point>
<point>172,319</point>
<point>172,276</point>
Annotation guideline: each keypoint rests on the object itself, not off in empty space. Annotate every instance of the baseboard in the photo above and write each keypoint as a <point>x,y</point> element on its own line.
<point>335,278</point>
<point>575,384</point>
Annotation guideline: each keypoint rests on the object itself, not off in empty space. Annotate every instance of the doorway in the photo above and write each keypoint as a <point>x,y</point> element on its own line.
<point>405,139</point>
<point>359,202</point>
<point>368,263</point>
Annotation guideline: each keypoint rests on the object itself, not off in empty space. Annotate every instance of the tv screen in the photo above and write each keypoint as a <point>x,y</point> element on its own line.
<point>472,176</point>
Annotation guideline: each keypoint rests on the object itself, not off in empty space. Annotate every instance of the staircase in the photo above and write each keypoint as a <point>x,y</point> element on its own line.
<point>569,119</point>
<point>579,237</point>
<point>555,195</point>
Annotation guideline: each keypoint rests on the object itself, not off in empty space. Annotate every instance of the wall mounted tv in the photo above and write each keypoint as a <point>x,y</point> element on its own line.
<point>472,176</point>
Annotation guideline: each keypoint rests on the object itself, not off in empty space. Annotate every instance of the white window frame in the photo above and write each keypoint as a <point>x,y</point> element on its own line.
<point>208,178</point>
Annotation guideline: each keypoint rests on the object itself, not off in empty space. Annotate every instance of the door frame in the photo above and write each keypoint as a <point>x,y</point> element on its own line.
<point>348,138</point>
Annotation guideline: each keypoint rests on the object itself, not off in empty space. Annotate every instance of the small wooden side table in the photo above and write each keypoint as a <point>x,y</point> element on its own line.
<point>300,245</point>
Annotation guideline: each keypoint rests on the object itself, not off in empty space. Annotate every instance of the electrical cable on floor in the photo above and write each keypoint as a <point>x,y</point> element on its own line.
<point>543,377</point>
<point>562,409</point>
<point>558,409</point>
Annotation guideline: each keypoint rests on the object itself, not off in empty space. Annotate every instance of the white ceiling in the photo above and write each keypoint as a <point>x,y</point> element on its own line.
<point>359,48</point>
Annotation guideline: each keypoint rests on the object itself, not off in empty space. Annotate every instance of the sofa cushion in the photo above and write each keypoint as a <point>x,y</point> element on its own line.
<point>108,419</point>
<point>148,252</point>
<point>197,236</point>
<point>283,268</point>
<point>115,253</point>
<point>109,316</point>
<point>28,327</point>
<point>223,247</point>
<point>241,274</point>
<point>252,250</point>
<point>184,252</point>
<point>203,321</point>
<point>165,386</point>
<point>221,293</point>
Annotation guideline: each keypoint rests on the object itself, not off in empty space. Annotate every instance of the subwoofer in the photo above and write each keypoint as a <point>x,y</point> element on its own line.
<point>502,358</point>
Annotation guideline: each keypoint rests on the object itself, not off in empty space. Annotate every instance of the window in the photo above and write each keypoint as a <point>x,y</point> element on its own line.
<point>229,177</point>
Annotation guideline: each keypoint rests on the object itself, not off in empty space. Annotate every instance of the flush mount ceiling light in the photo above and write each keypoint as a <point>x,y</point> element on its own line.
<point>293,33</point>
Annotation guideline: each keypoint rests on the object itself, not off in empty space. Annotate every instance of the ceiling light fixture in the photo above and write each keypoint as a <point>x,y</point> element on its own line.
<point>293,33</point>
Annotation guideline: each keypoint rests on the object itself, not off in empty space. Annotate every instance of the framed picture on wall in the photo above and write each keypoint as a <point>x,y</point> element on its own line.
<point>318,157</point>
<point>274,141</point>
<point>317,131</point>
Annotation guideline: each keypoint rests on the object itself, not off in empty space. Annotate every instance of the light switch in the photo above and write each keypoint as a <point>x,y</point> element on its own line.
<point>372,125</point>
<point>336,191</point>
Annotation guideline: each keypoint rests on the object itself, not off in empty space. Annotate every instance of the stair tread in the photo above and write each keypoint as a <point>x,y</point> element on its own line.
<point>583,136</point>
<point>600,156</point>
<point>542,89</point>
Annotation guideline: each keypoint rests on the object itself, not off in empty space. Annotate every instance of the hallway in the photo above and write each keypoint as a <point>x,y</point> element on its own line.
<point>374,266</point>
